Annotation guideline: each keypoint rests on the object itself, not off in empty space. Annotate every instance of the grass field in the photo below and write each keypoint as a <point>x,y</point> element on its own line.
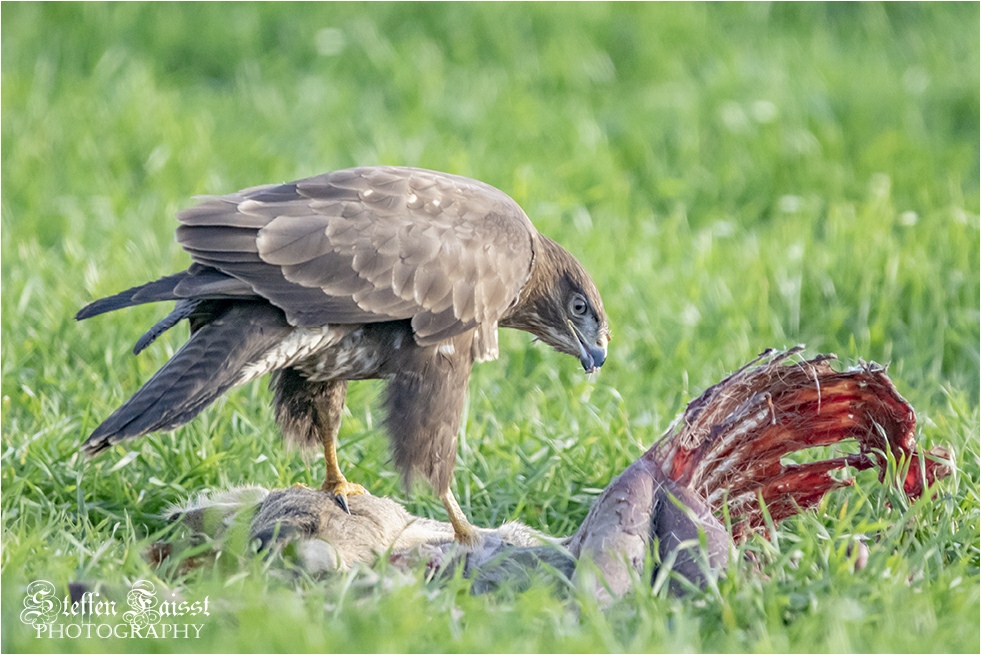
<point>734,176</point>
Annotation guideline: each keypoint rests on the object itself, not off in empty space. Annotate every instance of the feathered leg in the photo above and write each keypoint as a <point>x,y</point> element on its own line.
<point>310,412</point>
<point>425,401</point>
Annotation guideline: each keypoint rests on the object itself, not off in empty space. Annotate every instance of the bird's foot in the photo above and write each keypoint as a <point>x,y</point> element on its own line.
<point>466,535</point>
<point>341,489</point>
<point>463,532</point>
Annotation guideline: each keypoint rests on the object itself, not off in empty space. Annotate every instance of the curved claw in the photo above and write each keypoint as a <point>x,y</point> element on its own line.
<point>341,500</point>
<point>341,489</point>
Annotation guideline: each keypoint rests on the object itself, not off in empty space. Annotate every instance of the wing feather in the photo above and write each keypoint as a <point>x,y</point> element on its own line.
<point>383,301</point>
<point>289,240</point>
<point>374,264</point>
<point>219,238</point>
<point>463,300</point>
<point>216,258</point>
<point>402,278</point>
<point>436,326</point>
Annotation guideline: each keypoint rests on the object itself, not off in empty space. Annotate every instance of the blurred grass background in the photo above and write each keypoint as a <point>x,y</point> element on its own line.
<point>734,176</point>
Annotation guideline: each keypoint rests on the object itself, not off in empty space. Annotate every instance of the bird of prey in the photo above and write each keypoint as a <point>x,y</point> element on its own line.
<point>401,274</point>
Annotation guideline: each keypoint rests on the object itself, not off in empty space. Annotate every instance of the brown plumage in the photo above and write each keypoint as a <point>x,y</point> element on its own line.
<point>395,273</point>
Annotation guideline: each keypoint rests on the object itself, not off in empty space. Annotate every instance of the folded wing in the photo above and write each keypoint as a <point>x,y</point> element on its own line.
<point>372,244</point>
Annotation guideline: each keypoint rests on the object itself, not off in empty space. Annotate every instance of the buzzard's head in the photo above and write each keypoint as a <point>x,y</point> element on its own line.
<point>562,307</point>
<point>577,307</point>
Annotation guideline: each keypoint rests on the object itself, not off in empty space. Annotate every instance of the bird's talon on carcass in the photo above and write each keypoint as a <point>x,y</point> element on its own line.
<point>341,490</point>
<point>467,538</point>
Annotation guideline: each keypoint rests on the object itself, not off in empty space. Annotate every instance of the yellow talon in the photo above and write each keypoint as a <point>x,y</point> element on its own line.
<point>465,534</point>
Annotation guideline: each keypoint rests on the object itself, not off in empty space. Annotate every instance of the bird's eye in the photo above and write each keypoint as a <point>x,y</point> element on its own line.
<point>578,306</point>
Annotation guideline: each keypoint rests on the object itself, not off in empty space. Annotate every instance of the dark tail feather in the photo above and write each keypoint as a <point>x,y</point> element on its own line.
<point>156,291</point>
<point>197,282</point>
<point>182,310</point>
<point>210,363</point>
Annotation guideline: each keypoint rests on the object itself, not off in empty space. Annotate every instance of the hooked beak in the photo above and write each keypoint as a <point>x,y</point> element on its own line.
<point>591,356</point>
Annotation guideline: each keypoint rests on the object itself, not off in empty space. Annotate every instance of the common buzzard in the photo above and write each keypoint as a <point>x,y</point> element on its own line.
<point>401,274</point>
